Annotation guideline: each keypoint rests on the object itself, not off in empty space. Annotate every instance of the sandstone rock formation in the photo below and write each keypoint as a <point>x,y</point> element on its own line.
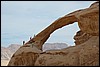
<point>88,21</point>
<point>81,37</point>
<point>85,53</point>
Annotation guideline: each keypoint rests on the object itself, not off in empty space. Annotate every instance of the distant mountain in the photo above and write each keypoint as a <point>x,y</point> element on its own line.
<point>6,53</point>
<point>53,46</point>
<point>14,47</point>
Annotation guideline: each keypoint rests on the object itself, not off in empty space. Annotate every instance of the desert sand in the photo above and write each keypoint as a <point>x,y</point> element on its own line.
<point>4,62</point>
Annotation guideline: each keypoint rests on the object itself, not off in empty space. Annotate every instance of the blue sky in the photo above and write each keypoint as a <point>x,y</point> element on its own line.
<point>22,19</point>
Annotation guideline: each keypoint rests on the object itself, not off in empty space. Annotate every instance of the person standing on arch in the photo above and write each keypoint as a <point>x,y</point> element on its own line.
<point>30,38</point>
<point>23,42</point>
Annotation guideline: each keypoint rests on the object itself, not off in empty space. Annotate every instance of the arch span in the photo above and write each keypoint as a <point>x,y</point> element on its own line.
<point>83,17</point>
<point>41,38</point>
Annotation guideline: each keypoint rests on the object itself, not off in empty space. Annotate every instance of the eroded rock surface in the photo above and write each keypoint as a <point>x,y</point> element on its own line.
<point>81,37</point>
<point>25,56</point>
<point>85,53</point>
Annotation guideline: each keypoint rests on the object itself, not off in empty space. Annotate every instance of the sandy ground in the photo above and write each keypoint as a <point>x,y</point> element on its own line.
<point>4,62</point>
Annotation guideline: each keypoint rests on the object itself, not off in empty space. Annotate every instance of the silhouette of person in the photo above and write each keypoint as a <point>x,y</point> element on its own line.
<point>30,38</point>
<point>23,42</point>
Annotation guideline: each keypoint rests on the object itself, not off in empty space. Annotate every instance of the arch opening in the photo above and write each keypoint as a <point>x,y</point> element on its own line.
<point>43,36</point>
<point>61,38</point>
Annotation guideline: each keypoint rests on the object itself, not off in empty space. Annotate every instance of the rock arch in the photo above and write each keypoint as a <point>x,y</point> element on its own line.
<point>88,22</point>
<point>87,39</point>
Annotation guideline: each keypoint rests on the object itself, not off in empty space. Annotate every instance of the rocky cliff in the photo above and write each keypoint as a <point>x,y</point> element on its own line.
<point>84,53</point>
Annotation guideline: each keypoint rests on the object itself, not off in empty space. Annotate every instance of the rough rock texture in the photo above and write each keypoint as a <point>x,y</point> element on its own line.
<point>81,37</point>
<point>85,53</point>
<point>25,56</point>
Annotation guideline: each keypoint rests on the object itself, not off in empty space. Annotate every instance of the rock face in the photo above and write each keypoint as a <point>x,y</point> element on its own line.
<point>25,56</point>
<point>85,53</point>
<point>81,37</point>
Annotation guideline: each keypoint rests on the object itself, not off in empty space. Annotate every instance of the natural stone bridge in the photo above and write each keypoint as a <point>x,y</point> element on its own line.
<point>87,21</point>
<point>85,53</point>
